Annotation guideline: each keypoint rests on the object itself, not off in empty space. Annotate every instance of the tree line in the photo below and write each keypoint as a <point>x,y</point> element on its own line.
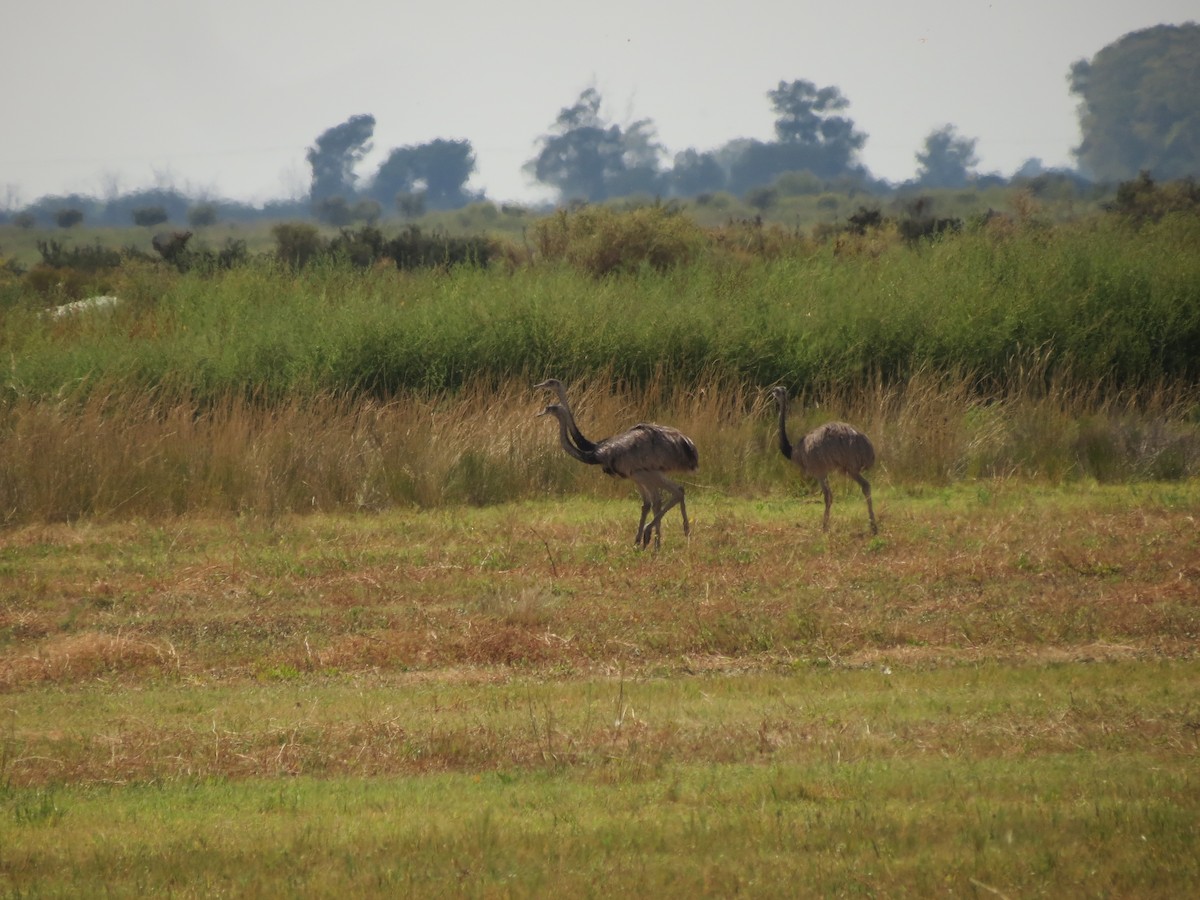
<point>1139,111</point>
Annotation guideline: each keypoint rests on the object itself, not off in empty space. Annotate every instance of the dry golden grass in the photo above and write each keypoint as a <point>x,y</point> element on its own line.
<point>154,455</point>
<point>995,570</point>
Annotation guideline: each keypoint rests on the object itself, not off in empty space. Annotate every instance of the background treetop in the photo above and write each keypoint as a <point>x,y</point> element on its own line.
<point>1140,105</point>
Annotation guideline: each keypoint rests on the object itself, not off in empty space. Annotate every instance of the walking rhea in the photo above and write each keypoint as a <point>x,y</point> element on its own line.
<point>830,447</point>
<point>642,454</point>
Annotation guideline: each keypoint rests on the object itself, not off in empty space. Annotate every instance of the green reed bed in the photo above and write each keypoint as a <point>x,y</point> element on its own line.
<point>1103,301</point>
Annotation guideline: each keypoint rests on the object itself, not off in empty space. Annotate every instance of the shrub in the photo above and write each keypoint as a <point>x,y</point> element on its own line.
<point>413,250</point>
<point>361,248</point>
<point>602,242</point>
<point>1142,200</point>
<point>796,184</point>
<point>864,220</point>
<point>762,198</point>
<point>172,246</point>
<point>149,216</point>
<point>297,243</point>
<point>68,218</point>
<point>88,258</point>
<point>202,215</point>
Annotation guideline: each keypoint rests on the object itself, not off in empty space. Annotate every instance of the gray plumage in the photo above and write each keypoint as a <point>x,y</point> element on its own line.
<point>642,454</point>
<point>832,447</point>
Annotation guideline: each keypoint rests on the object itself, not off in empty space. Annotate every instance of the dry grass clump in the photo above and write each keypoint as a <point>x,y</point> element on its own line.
<point>84,656</point>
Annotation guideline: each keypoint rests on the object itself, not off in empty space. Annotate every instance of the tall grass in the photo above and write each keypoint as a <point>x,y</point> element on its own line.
<point>1054,353</point>
<point>1101,301</point>
<point>141,453</point>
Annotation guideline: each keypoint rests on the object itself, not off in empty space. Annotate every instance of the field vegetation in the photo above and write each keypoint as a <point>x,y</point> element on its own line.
<point>297,595</point>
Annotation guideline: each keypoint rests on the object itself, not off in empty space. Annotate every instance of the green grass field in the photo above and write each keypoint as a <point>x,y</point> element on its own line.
<point>999,693</point>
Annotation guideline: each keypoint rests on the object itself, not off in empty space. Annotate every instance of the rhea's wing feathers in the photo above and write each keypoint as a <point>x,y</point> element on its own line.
<point>646,446</point>
<point>836,445</point>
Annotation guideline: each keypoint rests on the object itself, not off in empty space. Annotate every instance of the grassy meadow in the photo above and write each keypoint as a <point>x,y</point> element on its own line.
<point>297,596</point>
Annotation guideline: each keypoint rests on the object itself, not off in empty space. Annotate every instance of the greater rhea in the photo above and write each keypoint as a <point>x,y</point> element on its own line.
<point>834,446</point>
<point>642,454</point>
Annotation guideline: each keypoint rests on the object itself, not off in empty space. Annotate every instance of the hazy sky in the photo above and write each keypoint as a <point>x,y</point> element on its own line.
<point>224,96</point>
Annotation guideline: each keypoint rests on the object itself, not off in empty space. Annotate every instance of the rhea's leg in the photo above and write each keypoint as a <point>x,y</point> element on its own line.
<point>655,525</point>
<point>660,481</point>
<point>828,501</point>
<point>646,505</point>
<point>866,489</point>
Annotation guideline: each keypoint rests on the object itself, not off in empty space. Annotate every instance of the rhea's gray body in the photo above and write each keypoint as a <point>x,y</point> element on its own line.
<point>832,447</point>
<point>642,454</point>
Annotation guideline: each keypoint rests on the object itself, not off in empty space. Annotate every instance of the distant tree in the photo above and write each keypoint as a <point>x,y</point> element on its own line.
<point>68,217</point>
<point>695,173</point>
<point>798,184</point>
<point>1031,168</point>
<point>587,158</point>
<point>122,208</point>
<point>438,169</point>
<point>334,210</point>
<point>805,116</point>
<point>396,175</point>
<point>445,167</point>
<point>25,219</point>
<point>411,205</point>
<point>762,198</point>
<point>1139,106</point>
<point>947,159</point>
<point>367,211</point>
<point>811,137</point>
<point>202,215</point>
<point>337,151</point>
<point>149,216</point>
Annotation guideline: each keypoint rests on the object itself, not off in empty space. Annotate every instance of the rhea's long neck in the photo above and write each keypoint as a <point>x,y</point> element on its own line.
<point>576,435</point>
<point>585,456</point>
<point>785,446</point>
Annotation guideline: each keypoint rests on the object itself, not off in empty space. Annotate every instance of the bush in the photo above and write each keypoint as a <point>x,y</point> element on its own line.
<point>68,218</point>
<point>86,258</point>
<point>413,250</point>
<point>149,216</point>
<point>202,215</point>
<point>1142,200</point>
<point>602,242</point>
<point>361,248</point>
<point>172,246</point>
<point>297,243</point>
<point>798,184</point>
